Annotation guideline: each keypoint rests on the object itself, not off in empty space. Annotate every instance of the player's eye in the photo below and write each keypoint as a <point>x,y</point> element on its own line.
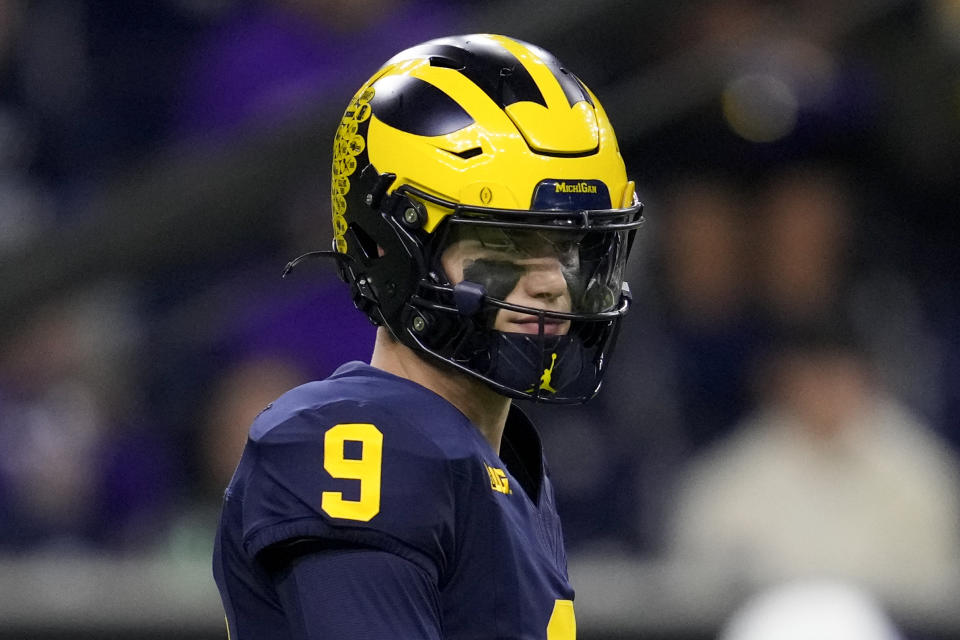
<point>499,277</point>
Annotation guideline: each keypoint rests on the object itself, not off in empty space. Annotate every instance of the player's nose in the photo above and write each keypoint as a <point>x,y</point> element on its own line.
<point>543,280</point>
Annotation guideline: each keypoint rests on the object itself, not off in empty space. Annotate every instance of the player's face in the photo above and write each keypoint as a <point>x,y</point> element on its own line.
<point>527,268</point>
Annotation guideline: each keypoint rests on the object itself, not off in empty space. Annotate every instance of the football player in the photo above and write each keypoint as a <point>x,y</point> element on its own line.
<point>482,217</point>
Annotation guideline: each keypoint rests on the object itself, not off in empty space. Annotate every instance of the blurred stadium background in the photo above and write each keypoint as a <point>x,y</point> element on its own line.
<point>785,404</point>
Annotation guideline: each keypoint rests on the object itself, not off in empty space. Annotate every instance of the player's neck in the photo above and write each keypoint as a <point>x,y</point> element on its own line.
<point>484,407</point>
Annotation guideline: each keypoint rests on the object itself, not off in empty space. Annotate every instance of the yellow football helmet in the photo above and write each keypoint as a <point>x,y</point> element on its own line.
<point>486,143</point>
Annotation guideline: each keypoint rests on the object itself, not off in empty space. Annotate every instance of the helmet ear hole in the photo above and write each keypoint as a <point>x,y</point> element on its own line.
<point>367,245</point>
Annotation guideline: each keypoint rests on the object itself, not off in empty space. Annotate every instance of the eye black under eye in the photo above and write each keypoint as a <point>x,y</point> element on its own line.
<point>499,277</point>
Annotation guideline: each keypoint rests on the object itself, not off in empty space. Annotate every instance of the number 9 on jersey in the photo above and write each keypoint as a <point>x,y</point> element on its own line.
<point>366,469</point>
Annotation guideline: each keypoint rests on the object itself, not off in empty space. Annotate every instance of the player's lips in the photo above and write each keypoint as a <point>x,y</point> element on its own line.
<point>531,324</point>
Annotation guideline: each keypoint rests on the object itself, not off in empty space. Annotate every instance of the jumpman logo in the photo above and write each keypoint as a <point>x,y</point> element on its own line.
<point>547,374</point>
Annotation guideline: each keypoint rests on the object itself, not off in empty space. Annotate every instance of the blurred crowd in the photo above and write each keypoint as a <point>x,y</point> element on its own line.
<point>784,399</point>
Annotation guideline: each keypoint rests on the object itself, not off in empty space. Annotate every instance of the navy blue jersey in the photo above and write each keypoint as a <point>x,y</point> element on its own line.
<point>367,501</point>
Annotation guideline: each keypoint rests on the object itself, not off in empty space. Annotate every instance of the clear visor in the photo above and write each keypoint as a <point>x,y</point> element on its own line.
<point>556,270</point>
